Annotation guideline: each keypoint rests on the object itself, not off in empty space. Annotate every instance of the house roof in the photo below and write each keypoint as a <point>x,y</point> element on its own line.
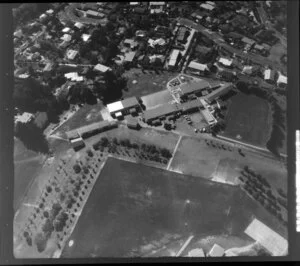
<point>226,61</point>
<point>130,121</point>
<point>85,37</point>
<point>282,79</point>
<point>114,107</point>
<point>79,25</point>
<point>71,54</point>
<point>247,70</point>
<point>218,92</point>
<point>73,76</point>
<point>24,118</point>
<point>198,66</point>
<point>157,3</point>
<point>208,116</point>
<point>216,251</point>
<point>129,56</point>
<point>191,105</point>
<point>66,29</point>
<point>269,74</point>
<point>101,68</point>
<point>66,37</point>
<point>207,6</point>
<point>248,41</point>
<point>50,11</point>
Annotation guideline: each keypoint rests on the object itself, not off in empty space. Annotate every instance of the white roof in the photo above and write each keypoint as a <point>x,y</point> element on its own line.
<point>225,61</point>
<point>198,66</point>
<point>133,3</point>
<point>268,238</point>
<point>78,25</point>
<point>267,74</point>
<point>211,3</point>
<point>157,3</point>
<point>66,37</point>
<point>281,79</point>
<point>173,57</point>
<point>159,41</point>
<point>24,118</point>
<point>73,76</point>
<point>50,11</point>
<point>101,68</point>
<point>207,6</point>
<point>247,69</point>
<point>23,76</point>
<point>197,252</point>
<point>71,54</point>
<point>114,107</point>
<point>118,114</point>
<point>66,29</point>
<point>85,37</point>
<point>216,251</point>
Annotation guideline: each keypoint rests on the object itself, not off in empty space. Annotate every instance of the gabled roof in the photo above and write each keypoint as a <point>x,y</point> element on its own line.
<point>198,66</point>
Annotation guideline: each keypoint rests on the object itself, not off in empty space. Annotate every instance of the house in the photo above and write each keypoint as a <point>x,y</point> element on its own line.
<point>130,43</point>
<point>173,58</point>
<point>247,70</point>
<point>193,88</point>
<point>48,67</point>
<point>126,106</point>
<point>141,33</point>
<point>134,3</point>
<point>195,66</point>
<point>160,112</point>
<point>248,41</point>
<point>197,252</point>
<point>207,6</point>
<point>18,33</point>
<point>50,11</point>
<point>79,25</point>
<point>66,30</point>
<point>42,17</point>
<point>132,123</point>
<point>259,48</point>
<point>156,7</point>
<point>227,75</point>
<point>216,251</point>
<point>85,37</point>
<point>66,38</point>
<point>101,68</point>
<point>159,42</point>
<point>269,75</point>
<point>73,76</point>
<point>71,54</point>
<point>282,80</point>
<point>24,118</point>
<point>129,56</point>
<point>181,34</point>
<point>226,62</point>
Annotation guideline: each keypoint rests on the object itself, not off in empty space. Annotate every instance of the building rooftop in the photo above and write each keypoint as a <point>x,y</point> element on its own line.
<point>50,11</point>
<point>218,92</point>
<point>85,37</point>
<point>268,238</point>
<point>129,56</point>
<point>173,57</point>
<point>66,29</point>
<point>114,107</point>
<point>225,61</point>
<point>157,3</point>
<point>197,252</point>
<point>71,54</point>
<point>198,66</point>
<point>247,70</point>
<point>269,74</point>
<point>73,76</point>
<point>66,37</point>
<point>248,41</point>
<point>216,251</point>
<point>130,102</point>
<point>159,111</point>
<point>191,105</point>
<point>101,68</point>
<point>281,79</point>
<point>208,116</point>
<point>24,118</point>
<point>207,6</point>
<point>195,86</point>
<point>79,25</point>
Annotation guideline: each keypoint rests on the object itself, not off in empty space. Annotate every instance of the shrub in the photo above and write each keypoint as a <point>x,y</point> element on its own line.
<point>41,205</point>
<point>46,214</point>
<point>49,189</point>
<point>90,153</point>
<point>29,241</point>
<point>56,208</point>
<point>48,227</point>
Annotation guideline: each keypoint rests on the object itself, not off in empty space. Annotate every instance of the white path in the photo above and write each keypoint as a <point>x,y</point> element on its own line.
<point>175,149</point>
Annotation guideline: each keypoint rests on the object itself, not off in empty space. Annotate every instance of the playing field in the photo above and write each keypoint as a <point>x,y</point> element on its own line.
<point>133,206</point>
<point>248,119</point>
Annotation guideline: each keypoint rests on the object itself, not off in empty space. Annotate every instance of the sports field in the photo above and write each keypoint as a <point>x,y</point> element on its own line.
<point>133,206</point>
<point>248,119</point>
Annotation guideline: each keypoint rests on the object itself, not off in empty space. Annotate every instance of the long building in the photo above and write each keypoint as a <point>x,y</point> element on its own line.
<point>173,58</point>
<point>218,92</point>
<point>161,112</point>
<point>191,106</point>
<point>90,130</point>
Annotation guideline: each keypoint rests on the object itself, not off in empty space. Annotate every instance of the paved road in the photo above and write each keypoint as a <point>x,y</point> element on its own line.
<point>218,40</point>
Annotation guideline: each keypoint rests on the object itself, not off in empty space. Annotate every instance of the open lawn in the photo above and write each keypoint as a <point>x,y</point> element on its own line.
<point>147,82</point>
<point>87,114</point>
<point>132,206</point>
<point>248,119</point>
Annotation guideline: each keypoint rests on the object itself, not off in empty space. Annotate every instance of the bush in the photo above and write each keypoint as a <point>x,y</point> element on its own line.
<point>56,208</point>
<point>90,153</point>
<point>48,227</point>
<point>49,189</point>
<point>29,241</point>
<point>46,214</point>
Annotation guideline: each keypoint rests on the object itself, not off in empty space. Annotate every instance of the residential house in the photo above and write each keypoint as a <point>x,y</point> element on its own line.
<point>216,251</point>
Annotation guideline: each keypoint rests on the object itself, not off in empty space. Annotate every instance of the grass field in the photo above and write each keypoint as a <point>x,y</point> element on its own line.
<point>146,83</point>
<point>133,206</point>
<point>248,119</point>
<point>87,114</point>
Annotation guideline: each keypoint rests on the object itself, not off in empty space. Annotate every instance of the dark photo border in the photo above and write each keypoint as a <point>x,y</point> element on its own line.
<point>7,143</point>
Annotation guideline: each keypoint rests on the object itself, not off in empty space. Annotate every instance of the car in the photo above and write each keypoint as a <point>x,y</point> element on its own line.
<point>196,130</point>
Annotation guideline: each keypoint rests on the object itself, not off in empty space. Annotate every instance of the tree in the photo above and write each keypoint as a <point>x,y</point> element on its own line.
<point>48,227</point>
<point>56,208</point>
<point>77,168</point>
<point>41,242</point>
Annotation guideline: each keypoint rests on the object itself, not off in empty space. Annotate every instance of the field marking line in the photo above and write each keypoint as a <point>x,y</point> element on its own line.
<point>57,137</point>
<point>174,151</point>
<point>184,246</point>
